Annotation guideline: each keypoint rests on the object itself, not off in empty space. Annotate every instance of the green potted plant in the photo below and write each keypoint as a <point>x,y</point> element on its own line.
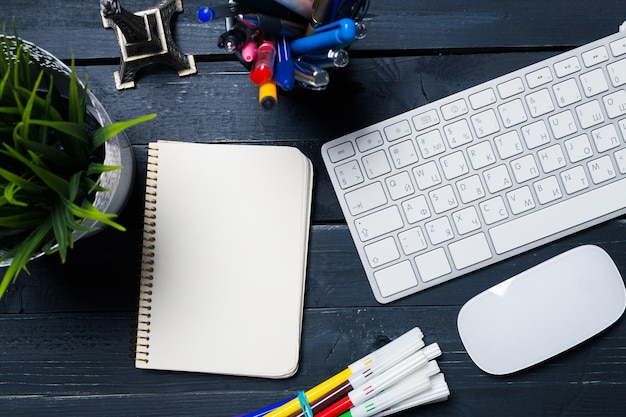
<point>65,169</point>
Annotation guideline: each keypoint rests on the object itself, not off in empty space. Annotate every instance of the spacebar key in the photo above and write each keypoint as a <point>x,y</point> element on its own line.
<point>559,217</point>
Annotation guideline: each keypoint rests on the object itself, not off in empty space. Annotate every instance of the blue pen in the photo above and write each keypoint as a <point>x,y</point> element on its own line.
<point>333,35</point>
<point>283,74</point>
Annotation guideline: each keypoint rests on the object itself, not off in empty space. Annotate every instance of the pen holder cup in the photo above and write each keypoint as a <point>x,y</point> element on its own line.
<point>304,57</point>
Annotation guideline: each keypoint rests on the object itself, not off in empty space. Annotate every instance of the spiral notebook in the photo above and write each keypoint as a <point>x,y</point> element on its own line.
<point>225,236</point>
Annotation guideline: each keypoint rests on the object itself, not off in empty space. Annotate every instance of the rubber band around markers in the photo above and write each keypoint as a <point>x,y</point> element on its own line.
<point>304,404</point>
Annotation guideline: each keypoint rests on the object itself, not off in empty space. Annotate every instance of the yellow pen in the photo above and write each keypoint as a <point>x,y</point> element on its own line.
<point>359,371</point>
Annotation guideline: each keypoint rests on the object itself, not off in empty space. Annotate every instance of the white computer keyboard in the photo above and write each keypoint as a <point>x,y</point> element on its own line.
<point>487,173</point>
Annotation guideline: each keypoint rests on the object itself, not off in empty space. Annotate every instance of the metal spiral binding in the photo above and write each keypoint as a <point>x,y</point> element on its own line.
<point>142,340</point>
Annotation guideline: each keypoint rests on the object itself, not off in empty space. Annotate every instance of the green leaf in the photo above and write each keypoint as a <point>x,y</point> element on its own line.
<point>22,253</point>
<point>23,183</point>
<point>22,220</point>
<point>88,211</point>
<point>105,133</point>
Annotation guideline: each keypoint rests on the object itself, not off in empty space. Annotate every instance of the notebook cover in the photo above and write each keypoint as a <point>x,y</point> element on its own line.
<point>224,267</point>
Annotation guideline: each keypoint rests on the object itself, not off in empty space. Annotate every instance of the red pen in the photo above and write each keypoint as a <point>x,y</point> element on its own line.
<point>263,68</point>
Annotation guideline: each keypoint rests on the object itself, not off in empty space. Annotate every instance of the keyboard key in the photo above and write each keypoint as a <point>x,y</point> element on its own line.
<point>497,179</point>
<point>485,123</point>
<point>340,152</point>
<point>508,144</point>
<point>605,138</point>
<point>618,47</point>
<point>493,210</point>
<point>567,67</point>
<point>615,104</point>
<point>412,240</point>
<point>376,164</point>
<point>547,190</point>
<point>470,189</point>
<point>349,174</point>
<point>431,144</point>
<point>482,98</point>
<point>567,93</point>
<point>379,223</point>
<point>403,154</point>
<point>512,113</point>
<point>426,175</point>
<point>443,199</point>
<point>562,124</point>
<point>574,180</point>
<point>481,155</point>
<point>454,165</point>
<point>594,82</point>
<point>470,251</point>
<point>524,168</point>
<point>416,209</point>
<point>535,134</point>
<point>433,264</point>
<point>510,88</point>
<point>617,73</point>
<point>539,102</point>
<point>397,130</point>
<point>399,185</point>
<point>370,141</point>
<point>454,109</point>
<point>540,77</point>
<point>425,120</point>
<point>590,114</point>
<point>395,278</point>
<point>466,220</point>
<point>520,200</point>
<point>595,56</point>
<point>382,252</point>
<point>559,217</point>
<point>439,230</point>
<point>551,158</point>
<point>458,133</point>
<point>601,169</point>
<point>578,148</point>
<point>366,198</point>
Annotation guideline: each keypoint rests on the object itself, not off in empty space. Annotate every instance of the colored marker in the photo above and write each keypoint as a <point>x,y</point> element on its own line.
<point>408,387</point>
<point>388,355</point>
<point>383,381</point>
<point>268,95</point>
<point>263,68</point>
<point>284,75</point>
<point>333,35</point>
<point>263,411</point>
<point>438,391</point>
<point>249,48</point>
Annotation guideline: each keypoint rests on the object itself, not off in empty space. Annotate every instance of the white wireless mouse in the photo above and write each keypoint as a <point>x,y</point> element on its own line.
<point>543,311</point>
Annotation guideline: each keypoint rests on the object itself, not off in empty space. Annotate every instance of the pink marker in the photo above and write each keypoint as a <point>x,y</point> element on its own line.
<point>248,51</point>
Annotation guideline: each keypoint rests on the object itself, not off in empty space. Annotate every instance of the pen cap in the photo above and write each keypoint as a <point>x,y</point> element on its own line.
<point>263,68</point>
<point>389,355</point>
<point>389,398</point>
<point>394,374</point>
<point>438,391</point>
<point>402,345</point>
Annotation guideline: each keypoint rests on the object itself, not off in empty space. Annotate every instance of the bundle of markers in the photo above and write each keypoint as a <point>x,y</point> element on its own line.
<point>400,375</point>
<point>285,43</point>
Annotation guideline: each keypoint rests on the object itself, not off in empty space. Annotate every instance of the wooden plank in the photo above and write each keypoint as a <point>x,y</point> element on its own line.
<point>428,26</point>
<point>79,362</point>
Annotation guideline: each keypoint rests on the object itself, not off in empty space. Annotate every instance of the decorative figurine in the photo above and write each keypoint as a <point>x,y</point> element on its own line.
<point>145,38</point>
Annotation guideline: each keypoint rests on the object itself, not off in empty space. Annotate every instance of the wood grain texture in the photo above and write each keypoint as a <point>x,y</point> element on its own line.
<point>66,329</point>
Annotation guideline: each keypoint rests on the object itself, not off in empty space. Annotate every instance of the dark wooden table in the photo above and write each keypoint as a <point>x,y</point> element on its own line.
<point>66,329</point>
